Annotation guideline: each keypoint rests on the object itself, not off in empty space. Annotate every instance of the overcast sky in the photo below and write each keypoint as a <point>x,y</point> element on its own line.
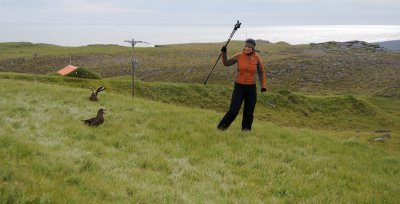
<point>257,12</point>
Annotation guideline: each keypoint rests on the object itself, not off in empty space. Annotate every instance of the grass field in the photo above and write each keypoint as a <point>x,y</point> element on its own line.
<point>311,140</point>
<point>334,112</point>
<point>152,152</point>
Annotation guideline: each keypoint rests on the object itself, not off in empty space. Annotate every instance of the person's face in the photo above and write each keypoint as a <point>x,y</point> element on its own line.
<point>248,48</point>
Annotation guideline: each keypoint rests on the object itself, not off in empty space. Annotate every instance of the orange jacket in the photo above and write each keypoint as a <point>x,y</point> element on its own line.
<point>247,66</point>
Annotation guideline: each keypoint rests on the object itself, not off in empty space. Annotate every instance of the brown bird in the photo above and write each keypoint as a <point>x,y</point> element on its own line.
<point>93,96</point>
<point>96,121</point>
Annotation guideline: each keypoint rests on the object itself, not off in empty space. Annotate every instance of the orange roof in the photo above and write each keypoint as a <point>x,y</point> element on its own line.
<point>66,70</point>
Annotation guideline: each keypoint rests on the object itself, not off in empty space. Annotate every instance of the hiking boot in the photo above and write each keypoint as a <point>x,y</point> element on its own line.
<point>222,127</point>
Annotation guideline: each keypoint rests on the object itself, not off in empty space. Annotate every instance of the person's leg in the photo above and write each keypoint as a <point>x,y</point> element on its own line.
<point>236,102</point>
<point>250,99</point>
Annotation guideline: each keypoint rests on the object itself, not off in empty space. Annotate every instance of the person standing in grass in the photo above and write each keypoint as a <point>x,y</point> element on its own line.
<point>248,63</point>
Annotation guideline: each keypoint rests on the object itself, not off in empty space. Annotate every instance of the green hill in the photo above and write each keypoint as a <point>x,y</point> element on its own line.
<point>151,152</point>
<point>163,145</point>
<point>327,68</point>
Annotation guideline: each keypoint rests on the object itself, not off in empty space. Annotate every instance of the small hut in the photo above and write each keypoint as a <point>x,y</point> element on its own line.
<point>66,70</point>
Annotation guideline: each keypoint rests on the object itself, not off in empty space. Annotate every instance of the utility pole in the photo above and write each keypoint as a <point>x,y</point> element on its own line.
<point>134,63</point>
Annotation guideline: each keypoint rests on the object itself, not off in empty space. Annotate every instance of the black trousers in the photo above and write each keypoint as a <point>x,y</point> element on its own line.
<point>241,92</point>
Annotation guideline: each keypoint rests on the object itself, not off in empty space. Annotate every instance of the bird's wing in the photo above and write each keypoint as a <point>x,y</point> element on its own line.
<point>89,121</point>
<point>101,88</point>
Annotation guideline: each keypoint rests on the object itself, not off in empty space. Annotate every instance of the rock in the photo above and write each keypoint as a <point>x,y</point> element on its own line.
<point>393,45</point>
<point>355,44</point>
<point>382,138</point>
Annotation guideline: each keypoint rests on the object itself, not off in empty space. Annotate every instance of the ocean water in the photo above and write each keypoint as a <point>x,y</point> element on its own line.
<point>79,35</point>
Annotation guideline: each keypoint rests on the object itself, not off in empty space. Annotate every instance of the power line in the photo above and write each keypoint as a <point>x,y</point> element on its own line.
<point>135,64</point>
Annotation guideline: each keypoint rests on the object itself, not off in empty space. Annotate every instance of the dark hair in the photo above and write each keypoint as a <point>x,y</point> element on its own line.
<point>251,41</point>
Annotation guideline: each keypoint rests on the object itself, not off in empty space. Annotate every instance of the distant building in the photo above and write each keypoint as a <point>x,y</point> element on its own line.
<point>66,70</point>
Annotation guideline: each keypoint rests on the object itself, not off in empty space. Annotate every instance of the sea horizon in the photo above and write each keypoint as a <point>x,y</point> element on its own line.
<point>162,34</point>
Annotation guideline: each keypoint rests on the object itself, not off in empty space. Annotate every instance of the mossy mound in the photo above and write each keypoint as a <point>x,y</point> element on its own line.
<point>83,73</point>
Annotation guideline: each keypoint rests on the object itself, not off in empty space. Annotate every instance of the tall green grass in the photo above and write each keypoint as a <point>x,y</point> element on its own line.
<point>335,112</point>
<point>150,152</point>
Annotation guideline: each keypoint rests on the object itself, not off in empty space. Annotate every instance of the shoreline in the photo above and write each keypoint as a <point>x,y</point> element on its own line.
<point>81,34</point>
<point>390,45</point>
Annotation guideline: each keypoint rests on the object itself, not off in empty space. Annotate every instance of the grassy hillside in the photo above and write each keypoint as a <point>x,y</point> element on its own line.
<point>149,152</point>
<point>305,68</point>
<point>334,112</point>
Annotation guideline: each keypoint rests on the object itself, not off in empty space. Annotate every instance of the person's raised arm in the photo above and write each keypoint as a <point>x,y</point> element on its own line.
<point>225,61</point>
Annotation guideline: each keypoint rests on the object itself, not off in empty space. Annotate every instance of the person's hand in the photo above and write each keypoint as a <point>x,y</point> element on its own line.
<point>223,49</point>
<point>263,90</point>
